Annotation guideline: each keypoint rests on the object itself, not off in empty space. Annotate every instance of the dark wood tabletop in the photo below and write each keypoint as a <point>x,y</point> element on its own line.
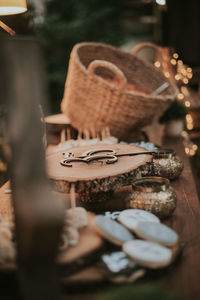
<point>184,277</point>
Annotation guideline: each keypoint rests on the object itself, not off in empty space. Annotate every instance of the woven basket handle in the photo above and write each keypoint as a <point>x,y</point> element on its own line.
<point>141,46</point>
<point>119,75</point>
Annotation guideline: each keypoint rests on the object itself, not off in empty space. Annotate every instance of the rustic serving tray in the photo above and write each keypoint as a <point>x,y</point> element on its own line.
<point>92,180</point>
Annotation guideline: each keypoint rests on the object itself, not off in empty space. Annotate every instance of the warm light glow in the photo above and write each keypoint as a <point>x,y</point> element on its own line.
<point>189,69</point>
<point>167,74</point>
<point>189,122</point>
<point>195,147</point>
<point>189,75</point>
<point>192,152</point>
<point>12,7</point>
<point>187,150</point>
<point>180,62</point>
<point>191,149</point>
<point>157,64</point>
<point>161,2</point>
<point>185,80</point>
<point>177,77</point>
<point>187,104</point>
<point>183,71</point>
<point>175,55</point>
<point>180,96</point>
<point>173,61</point>
<point>189,118</point>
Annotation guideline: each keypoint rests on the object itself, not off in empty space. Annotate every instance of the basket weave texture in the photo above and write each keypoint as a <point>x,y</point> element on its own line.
<point>107,87</point>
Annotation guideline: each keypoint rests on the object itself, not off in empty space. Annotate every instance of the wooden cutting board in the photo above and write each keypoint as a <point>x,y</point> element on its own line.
<point>97,169</point>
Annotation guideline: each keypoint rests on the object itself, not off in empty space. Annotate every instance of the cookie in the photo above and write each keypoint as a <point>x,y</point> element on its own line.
<point>112,231</point>
<point>157,232</point>
<point>148,254</point>
<point>130,218</point>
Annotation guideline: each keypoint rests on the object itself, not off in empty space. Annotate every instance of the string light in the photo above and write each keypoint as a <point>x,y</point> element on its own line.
<point>190,147</point>
<point>195,147</point>
<point>182,75</point>
<point>173,61</point>
<point>157,64</point>
<point>188,118</point>
<point>187,103</point>
<point>185,80</point>
<point>192,152</point>
<point>189,75</point>
<point>187,150</point>
<point>180,96</point>
<point>175,55</point>
<point>189,122</point>
<point>177,77</point>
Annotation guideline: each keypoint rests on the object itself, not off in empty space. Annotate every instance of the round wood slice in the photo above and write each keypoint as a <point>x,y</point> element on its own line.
<point>54,125</point>
<point>58,119</point>
<point>97,176</point>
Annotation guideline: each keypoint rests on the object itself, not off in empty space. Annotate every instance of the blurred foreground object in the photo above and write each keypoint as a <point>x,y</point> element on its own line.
<point>38,215</point>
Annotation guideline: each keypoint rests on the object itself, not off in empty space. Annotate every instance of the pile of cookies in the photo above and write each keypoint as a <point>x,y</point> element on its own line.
<point>143,239</point>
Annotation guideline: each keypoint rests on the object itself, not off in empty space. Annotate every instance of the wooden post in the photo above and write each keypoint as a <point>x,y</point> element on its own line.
<point>38,214</point>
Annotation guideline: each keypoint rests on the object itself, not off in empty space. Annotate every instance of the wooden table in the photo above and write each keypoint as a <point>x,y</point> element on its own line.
<point>182,278</point>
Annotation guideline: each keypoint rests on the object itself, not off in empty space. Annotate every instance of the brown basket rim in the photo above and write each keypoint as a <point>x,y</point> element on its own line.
<point>148,64</point>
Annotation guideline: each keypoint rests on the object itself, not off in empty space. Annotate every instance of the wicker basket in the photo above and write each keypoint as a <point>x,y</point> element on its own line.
<point>107,87</point>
